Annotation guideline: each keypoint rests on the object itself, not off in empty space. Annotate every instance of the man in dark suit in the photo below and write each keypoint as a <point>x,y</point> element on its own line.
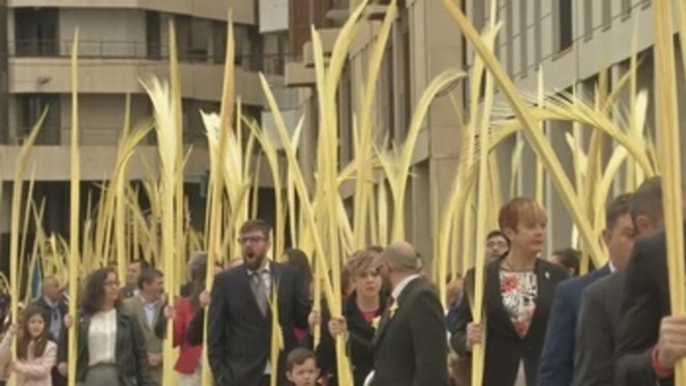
<point>410,344</point>
<point>597,331</point>
<point>557,360</point>
<point>56,309</point>
<point>240,317</point>
<point>650,340</point>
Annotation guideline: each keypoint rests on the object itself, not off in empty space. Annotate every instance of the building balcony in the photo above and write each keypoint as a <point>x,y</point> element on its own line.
<point>300,75</point>
<point>375,11</point>
<point>243,10</point>
<point>118,67</point>
<point>52,162</point>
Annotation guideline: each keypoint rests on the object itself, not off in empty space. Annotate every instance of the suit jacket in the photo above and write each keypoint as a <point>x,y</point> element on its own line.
<point>410,344</point>
<point>645,303</point>
<point>128,291</point>
<point>152,341</point>
<point>239,335</point>
<point>597,332</point>
<point>505,349</point>
<point>63,307</point>
<point>557,360</point>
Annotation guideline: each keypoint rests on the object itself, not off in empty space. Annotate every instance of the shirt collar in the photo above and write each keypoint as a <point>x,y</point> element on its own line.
<point>398,290</point>
<point>613,269</point>
<point>267,269</point>
<point>147,303</point>
<point>49,302</point>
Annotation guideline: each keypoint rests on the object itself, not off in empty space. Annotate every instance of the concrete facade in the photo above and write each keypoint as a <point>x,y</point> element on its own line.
<point>572,41</point>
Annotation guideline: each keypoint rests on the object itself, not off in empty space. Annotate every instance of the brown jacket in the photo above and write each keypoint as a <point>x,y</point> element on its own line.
<point>152,341</point>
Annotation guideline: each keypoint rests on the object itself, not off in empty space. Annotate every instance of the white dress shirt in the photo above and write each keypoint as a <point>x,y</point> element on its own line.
<point>102,338</point>
<point>150,310</point>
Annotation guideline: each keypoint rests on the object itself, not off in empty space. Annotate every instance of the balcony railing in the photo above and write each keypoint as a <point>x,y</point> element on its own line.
<point>101,49</point>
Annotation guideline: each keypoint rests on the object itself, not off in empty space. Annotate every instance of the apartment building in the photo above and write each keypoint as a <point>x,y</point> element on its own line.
<point>121,43</point>
<point>423,43</point>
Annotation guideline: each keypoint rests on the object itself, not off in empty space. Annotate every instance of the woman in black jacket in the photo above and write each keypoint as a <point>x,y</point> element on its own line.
<point>111,347</point>
<point>518,297</point>
<point>362,312</point>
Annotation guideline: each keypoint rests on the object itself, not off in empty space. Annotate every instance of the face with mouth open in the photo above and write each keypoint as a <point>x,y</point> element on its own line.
<point>255,245</point>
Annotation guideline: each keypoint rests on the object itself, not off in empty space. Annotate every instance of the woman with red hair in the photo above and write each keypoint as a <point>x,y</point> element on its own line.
<point>519,291</point>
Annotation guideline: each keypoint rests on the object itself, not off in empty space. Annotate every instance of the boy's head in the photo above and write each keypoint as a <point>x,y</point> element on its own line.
<point>301,367</point>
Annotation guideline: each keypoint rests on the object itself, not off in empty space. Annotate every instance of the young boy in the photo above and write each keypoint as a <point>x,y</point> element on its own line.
<point>301,368</point>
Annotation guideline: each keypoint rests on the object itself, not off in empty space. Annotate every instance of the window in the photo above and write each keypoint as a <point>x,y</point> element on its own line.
<point>538,55</point>
<point>36,31</point>
<point>219,40</point>
<point>200,39</point>
<point>478,13</point>
<point>588,18</point>
<point>565,25</point>
<point>153,34</point>
<point>509,37</point>
<point>523,37</point>
<point>405,105</point>
<point>31,108</point>
<point>607,13</point>
<point>184,36</point>
<point>626,7</point>
<point>390,72</point>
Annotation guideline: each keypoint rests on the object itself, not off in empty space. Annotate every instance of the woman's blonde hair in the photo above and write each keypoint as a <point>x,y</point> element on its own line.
<point>361,262</point>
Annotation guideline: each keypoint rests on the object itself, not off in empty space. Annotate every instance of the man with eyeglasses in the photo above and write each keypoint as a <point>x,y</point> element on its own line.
<point>240,315</point>
<point>497,245</point>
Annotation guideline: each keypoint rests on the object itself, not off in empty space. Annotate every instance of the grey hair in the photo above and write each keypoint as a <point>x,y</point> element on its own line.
<point>198,263</point>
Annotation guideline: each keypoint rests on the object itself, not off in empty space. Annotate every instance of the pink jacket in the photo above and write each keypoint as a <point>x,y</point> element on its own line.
<point>33,371</point>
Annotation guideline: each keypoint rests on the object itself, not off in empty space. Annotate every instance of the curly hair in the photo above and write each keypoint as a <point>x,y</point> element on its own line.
<point>94,291</point>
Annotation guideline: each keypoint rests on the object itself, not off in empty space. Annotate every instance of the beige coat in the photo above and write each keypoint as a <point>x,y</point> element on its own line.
<point>32,371</point>
<point>154,344</point>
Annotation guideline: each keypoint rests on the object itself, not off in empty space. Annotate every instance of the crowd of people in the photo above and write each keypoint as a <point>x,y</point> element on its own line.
<point>542,323</point>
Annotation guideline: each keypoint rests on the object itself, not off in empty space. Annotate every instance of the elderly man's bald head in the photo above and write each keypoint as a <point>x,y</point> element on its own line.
<point>51,288</point>
<point>401,256</point>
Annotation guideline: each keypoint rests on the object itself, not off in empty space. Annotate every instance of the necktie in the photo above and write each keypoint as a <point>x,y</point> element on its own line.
<point>260,291</point>
<point>55,322</point>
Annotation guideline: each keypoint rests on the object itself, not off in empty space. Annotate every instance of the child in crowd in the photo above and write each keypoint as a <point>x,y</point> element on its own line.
<point>36,354</point>
<point>301,368</point>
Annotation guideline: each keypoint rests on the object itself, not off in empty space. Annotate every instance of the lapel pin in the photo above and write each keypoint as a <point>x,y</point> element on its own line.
<point>547,275</point>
